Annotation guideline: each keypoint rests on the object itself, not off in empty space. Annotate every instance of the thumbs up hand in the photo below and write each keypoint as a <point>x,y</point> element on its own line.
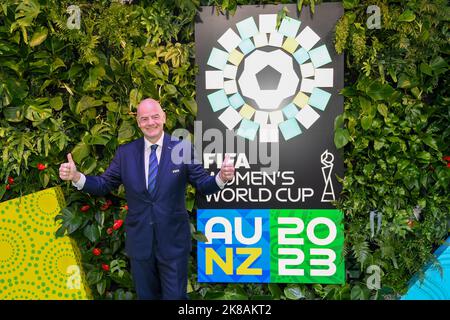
<point>68,171</point>
<point>227,170</point>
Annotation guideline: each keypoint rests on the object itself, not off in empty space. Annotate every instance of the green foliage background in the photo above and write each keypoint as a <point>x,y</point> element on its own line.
<point>67,90</point>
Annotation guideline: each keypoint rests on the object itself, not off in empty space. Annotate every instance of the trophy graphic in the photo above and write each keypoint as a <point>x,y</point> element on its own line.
<point>327,159</point>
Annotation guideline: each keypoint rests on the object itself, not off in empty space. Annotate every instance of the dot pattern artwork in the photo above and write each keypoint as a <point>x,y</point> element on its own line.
<point>34,264</point>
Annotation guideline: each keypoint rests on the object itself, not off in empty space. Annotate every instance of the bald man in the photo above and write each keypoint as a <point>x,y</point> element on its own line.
<point>158,240</point>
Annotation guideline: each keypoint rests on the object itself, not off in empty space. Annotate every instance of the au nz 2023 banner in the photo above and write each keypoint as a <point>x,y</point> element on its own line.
<point>267,95</point>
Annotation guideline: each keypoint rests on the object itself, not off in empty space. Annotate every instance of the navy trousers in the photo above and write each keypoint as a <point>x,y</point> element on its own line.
<point>157,278</point>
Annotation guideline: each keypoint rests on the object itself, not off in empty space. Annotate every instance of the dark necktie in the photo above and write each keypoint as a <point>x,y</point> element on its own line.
<point>152,170</point>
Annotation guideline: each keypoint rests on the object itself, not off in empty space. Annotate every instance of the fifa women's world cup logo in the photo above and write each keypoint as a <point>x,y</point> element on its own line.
<point>268,79</point>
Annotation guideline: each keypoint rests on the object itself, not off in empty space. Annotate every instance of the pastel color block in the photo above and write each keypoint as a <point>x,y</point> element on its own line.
<point>290,128</point>
<point>307,70</point>
<point>319,99</point>
<point>301,55</point>
<point>236,100</point>
<point>261,117</point>
<point>246,46</point>
<point>247,111</point>
<point>276,117</point>
<point>230,86</point>
<point>307,116</point>
<point>268,133</point>
<point>275,39</point>
<point>230,118</point>
<point>217,58</point>
<point>214,79</point>
<point>290,111</point>
<point>307,38</point>
<point>230,71</point>
<point>301,99</point>
<point>248,129</point>
<point>35,265</point>
<point>289,27</point>
<point>247,28</point>
<point>267,23</point>
<point>229,40</point>
<point>320,56</point>
<point>218,100</point>
<point>260,40</point>
<point>235,57</point>
<point>290,45</point>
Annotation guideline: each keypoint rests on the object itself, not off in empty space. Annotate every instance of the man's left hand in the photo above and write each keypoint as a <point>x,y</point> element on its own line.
<point>227,170</point>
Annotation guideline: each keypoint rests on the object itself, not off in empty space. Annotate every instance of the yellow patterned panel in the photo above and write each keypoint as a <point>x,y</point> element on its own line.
<point>33,263</point>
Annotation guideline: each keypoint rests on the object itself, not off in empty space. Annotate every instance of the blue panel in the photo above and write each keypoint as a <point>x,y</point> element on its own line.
<point>434,286</point>
<point>219,246</point>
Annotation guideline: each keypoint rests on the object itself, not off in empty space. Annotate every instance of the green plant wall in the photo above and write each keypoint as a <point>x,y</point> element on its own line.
<point>64,90</point>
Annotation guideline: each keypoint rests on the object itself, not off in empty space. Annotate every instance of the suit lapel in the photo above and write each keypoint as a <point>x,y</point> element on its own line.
<point>140,152</point>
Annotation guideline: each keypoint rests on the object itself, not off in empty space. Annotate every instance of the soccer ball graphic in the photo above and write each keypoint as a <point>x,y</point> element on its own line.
<point>292,101</point>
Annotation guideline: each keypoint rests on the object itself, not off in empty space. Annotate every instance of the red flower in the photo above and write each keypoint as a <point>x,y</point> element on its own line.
<point>85,208</point>
<point>8,187</point>
<point>41,166</point>
<point>448,165</point>
<point>10,180</point>
<point>104,207</point>
<point>105,267</point>
<point>125,207</point>
<point>109,231</point>
<point>446,158</point>
<point>96,251</point>
<point>117,224</point>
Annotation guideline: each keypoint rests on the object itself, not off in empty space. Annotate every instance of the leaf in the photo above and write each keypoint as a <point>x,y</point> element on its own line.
<point>275,290</point>
<point>341,137</point>
<point>101,287</point>
<point>126,131</point>
<point>87,102</point>
<point>350,4</point>
<point>100,218</point>
<point>383,110</point>
<point>293,293</point>
<point>406,82</point>
<point>56,103</point>
<point>366,122</point>
<point>424,157</point>
<point>426,69</point>
<point>135,98</point>
<point>359,293</point>
<point>378,91</point>
<point>80,152</point>
<point>431,142</point>
<point>407,16</point>
<point>191,105</point>
<point>38,37</point>
<point>70,220</point>
<point>91,232</point>
<point>199,236</point>
<point>439,65</point>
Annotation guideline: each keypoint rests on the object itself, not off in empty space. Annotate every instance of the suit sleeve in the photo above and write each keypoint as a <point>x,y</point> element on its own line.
<point>199,177</point>
<point>109,180</point>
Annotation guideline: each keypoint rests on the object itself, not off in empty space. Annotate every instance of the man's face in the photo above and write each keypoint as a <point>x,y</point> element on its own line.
<point>151,119</point>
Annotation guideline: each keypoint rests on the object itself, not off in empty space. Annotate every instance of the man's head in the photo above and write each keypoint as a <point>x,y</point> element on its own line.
<point>151,119</point>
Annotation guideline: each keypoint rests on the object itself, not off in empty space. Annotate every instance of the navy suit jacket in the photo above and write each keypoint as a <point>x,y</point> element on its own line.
<point>162,218</point>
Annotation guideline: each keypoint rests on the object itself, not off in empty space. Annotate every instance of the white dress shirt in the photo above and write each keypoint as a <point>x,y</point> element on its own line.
<point>147,145</point>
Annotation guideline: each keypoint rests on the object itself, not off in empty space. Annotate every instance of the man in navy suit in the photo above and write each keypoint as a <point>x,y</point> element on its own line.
<point>158,240</point>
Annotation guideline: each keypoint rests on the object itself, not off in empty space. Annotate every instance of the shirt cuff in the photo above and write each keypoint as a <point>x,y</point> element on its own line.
<point>80,184</point>
<point>219,182</point>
